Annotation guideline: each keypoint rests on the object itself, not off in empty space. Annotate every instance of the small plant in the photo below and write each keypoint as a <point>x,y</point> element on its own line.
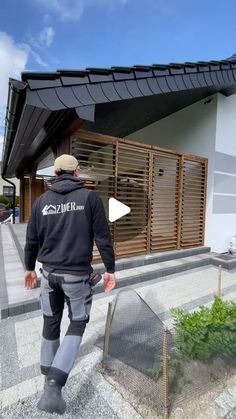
<point>208,332</point>
<point>6,201</point>
<point>175,373</point>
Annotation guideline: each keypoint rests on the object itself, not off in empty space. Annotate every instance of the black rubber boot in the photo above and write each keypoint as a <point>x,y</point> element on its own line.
<point>52,400</point>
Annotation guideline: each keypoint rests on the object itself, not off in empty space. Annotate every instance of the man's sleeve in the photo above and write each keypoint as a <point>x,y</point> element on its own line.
<point>102,233</point>
<point>31,245</point>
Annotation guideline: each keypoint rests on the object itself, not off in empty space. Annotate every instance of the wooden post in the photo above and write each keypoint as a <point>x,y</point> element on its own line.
<point>64,146</point>
<point>107,336</point>
<point>22,199</point>
<point>180,200</point>
<point>150,200</point>
<point>32,188</point>
<point>165,373</point>
<point>219,281</point>
<point>116,173</point>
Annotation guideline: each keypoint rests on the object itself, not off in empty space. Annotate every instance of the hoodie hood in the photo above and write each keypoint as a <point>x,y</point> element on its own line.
<point>65,184</point>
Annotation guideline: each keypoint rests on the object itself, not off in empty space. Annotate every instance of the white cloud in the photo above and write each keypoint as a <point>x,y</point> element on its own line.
<point>46,36</point>
<point>13,59</point>
<point>44,39</point>
<point>35,55</point>
<point>66,9</point>
<point>73,9</point>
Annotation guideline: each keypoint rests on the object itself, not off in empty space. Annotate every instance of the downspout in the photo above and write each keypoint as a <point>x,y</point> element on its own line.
<point>16,96</point>
<point>14,198</point>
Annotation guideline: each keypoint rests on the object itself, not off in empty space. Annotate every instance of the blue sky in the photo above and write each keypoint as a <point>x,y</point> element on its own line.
<point>45,35</point>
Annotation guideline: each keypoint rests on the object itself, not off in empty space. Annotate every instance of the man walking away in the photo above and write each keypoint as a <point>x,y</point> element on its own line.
<point>64,222</point>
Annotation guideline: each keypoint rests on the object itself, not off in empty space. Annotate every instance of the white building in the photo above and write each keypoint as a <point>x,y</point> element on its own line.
<point>208,129</point>
<point>169,129</point>
<point>6,189</point>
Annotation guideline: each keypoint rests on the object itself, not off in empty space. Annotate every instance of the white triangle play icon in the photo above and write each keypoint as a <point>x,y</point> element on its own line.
<point>117,209</point>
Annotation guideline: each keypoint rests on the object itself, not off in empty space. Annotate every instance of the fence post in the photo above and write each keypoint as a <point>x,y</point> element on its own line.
<point>107,336</point>
<point>165,373</point>
<point>219,281</point>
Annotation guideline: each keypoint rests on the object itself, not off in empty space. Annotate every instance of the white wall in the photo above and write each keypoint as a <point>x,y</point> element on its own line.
<point>224,198</point>
<point>226,124</point>
<point>191,130</point>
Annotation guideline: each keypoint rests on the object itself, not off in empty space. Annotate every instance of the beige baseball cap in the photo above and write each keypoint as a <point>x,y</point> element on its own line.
<point>66,162</point>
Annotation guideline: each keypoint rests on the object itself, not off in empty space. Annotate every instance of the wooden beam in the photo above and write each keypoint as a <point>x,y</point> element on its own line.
<point>149,211</point>
<point>180,200</point>
<point>32,188</point>
<point>63,146</point>
<point>22,199</point>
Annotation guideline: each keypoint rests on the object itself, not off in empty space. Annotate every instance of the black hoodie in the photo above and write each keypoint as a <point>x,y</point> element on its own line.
<point>64,222</point>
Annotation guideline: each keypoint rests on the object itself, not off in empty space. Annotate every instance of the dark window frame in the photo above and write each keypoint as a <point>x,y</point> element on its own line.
<point>8,191</point>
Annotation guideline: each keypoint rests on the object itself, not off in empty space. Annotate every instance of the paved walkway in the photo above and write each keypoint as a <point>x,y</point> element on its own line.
<point>87,393</point>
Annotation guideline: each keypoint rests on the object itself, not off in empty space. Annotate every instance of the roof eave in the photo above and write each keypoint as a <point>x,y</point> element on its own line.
<point>15,103</point>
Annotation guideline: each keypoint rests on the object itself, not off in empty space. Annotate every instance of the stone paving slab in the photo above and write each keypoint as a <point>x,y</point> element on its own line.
<point>18,300</point>
<point>223,407</point>
<point>88,393</point>
<point>86,398</point>
<point>20,336</point>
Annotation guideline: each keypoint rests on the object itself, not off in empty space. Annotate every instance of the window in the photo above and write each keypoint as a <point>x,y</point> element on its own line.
<point>8,191</point>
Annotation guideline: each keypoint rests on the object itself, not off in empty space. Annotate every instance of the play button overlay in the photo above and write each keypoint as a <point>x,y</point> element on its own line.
<point>117,209</point>
<point>126,206</point>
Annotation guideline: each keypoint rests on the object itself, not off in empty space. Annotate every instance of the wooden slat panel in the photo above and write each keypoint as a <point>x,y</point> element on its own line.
<point>164,203</point>
<point>132,190</point>
<point>173,216</point>
<point>97,170</point>
<point>193,203</point>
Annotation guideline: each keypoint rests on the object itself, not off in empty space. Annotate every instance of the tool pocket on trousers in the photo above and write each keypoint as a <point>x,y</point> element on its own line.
<point>45,291</point>
<point>77,295</point>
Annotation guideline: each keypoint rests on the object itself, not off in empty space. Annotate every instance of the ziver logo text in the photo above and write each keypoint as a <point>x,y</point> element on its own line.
<point>61,208</point>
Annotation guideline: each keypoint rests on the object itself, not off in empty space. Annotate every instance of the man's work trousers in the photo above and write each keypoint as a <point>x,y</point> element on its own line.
<point>57,359</point>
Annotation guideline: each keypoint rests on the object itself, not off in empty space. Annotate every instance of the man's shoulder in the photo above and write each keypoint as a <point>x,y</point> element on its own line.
<point>93,196</point>
<point>46,194</point>
<point>38,202</point>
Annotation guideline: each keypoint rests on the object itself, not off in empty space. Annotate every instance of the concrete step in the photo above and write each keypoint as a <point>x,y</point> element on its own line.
<point>14,299</point>
<point>159,271</point>
<point>153,258</point>
<point>18,232</point>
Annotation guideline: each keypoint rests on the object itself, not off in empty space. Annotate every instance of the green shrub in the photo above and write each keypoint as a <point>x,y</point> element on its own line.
<point>6,201</point>
<point>208,332</point>
<point>175,373</point>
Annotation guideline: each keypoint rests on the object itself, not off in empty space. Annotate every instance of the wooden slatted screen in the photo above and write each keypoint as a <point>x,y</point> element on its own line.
<point>132,190</point>
<point>97,170</point>
<point>166,191</point>
<point>193,203</point>
<point>164,202</point>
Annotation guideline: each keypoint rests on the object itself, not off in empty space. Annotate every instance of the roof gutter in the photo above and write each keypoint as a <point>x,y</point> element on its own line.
<point>14,199</point>
<point>15,103</point>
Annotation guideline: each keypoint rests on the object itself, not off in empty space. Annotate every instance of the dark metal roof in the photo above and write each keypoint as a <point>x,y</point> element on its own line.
<point>46,102</point>
<point>70,88</point>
